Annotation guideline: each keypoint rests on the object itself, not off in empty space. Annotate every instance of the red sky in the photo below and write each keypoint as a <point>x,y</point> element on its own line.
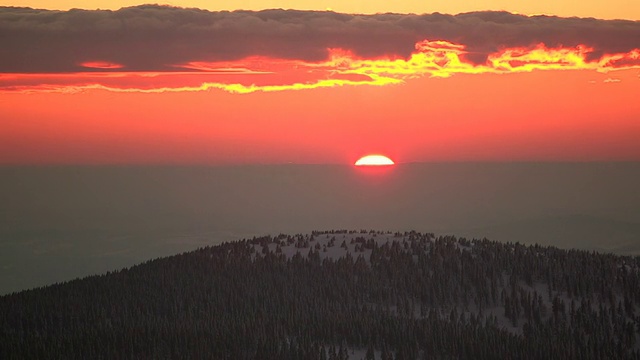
<point>519,103</point>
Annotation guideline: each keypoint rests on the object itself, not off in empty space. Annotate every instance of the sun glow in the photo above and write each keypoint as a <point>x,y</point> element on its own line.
<point>374,160</point>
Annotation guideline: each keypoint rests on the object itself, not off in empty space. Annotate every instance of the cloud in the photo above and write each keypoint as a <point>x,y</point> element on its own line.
<point>101,65</point>
<point>159,38</point>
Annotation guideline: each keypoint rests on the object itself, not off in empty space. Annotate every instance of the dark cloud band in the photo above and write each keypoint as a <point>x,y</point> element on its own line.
<point>154,38</point>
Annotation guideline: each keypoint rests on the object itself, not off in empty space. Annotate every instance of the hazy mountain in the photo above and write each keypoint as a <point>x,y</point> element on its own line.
<point>57,223</point>
<point>577,231</point>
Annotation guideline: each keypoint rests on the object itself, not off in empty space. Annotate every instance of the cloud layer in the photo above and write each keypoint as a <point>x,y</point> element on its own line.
<point>157,38</point>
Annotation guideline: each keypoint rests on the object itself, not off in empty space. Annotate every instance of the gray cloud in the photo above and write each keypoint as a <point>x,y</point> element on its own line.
<point>154,37</point>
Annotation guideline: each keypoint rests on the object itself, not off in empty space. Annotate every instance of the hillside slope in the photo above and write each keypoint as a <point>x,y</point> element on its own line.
<point>338,295</point>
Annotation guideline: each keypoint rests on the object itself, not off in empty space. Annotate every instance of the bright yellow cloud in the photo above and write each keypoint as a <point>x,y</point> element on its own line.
<point>440,59</point>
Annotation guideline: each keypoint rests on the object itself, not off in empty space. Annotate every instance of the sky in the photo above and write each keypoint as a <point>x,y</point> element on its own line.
<point>447,81</point>
<point>612,9</point>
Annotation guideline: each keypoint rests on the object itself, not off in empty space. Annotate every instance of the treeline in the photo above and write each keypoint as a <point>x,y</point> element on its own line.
<point>413,297</point>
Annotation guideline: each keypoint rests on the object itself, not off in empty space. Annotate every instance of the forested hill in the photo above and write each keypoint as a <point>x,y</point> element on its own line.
<point>339,295</point>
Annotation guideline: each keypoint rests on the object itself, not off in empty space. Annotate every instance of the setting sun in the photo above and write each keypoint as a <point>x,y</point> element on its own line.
<point>374,160</point>
<point>318,163</point>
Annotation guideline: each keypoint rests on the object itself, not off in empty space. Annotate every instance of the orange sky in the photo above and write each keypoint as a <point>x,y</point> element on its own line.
<point>535,103</point>
<point>612,9</point>
<point>545,115</point>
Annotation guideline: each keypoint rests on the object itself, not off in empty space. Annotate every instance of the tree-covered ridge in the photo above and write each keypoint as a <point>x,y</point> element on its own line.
<point>337,295</point>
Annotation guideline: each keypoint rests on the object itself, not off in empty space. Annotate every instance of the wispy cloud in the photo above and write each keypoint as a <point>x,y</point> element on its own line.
<point>158,48</point>
<point>154,38</point>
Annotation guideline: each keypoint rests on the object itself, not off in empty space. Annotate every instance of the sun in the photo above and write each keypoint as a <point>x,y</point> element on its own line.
<point>374,160</point>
